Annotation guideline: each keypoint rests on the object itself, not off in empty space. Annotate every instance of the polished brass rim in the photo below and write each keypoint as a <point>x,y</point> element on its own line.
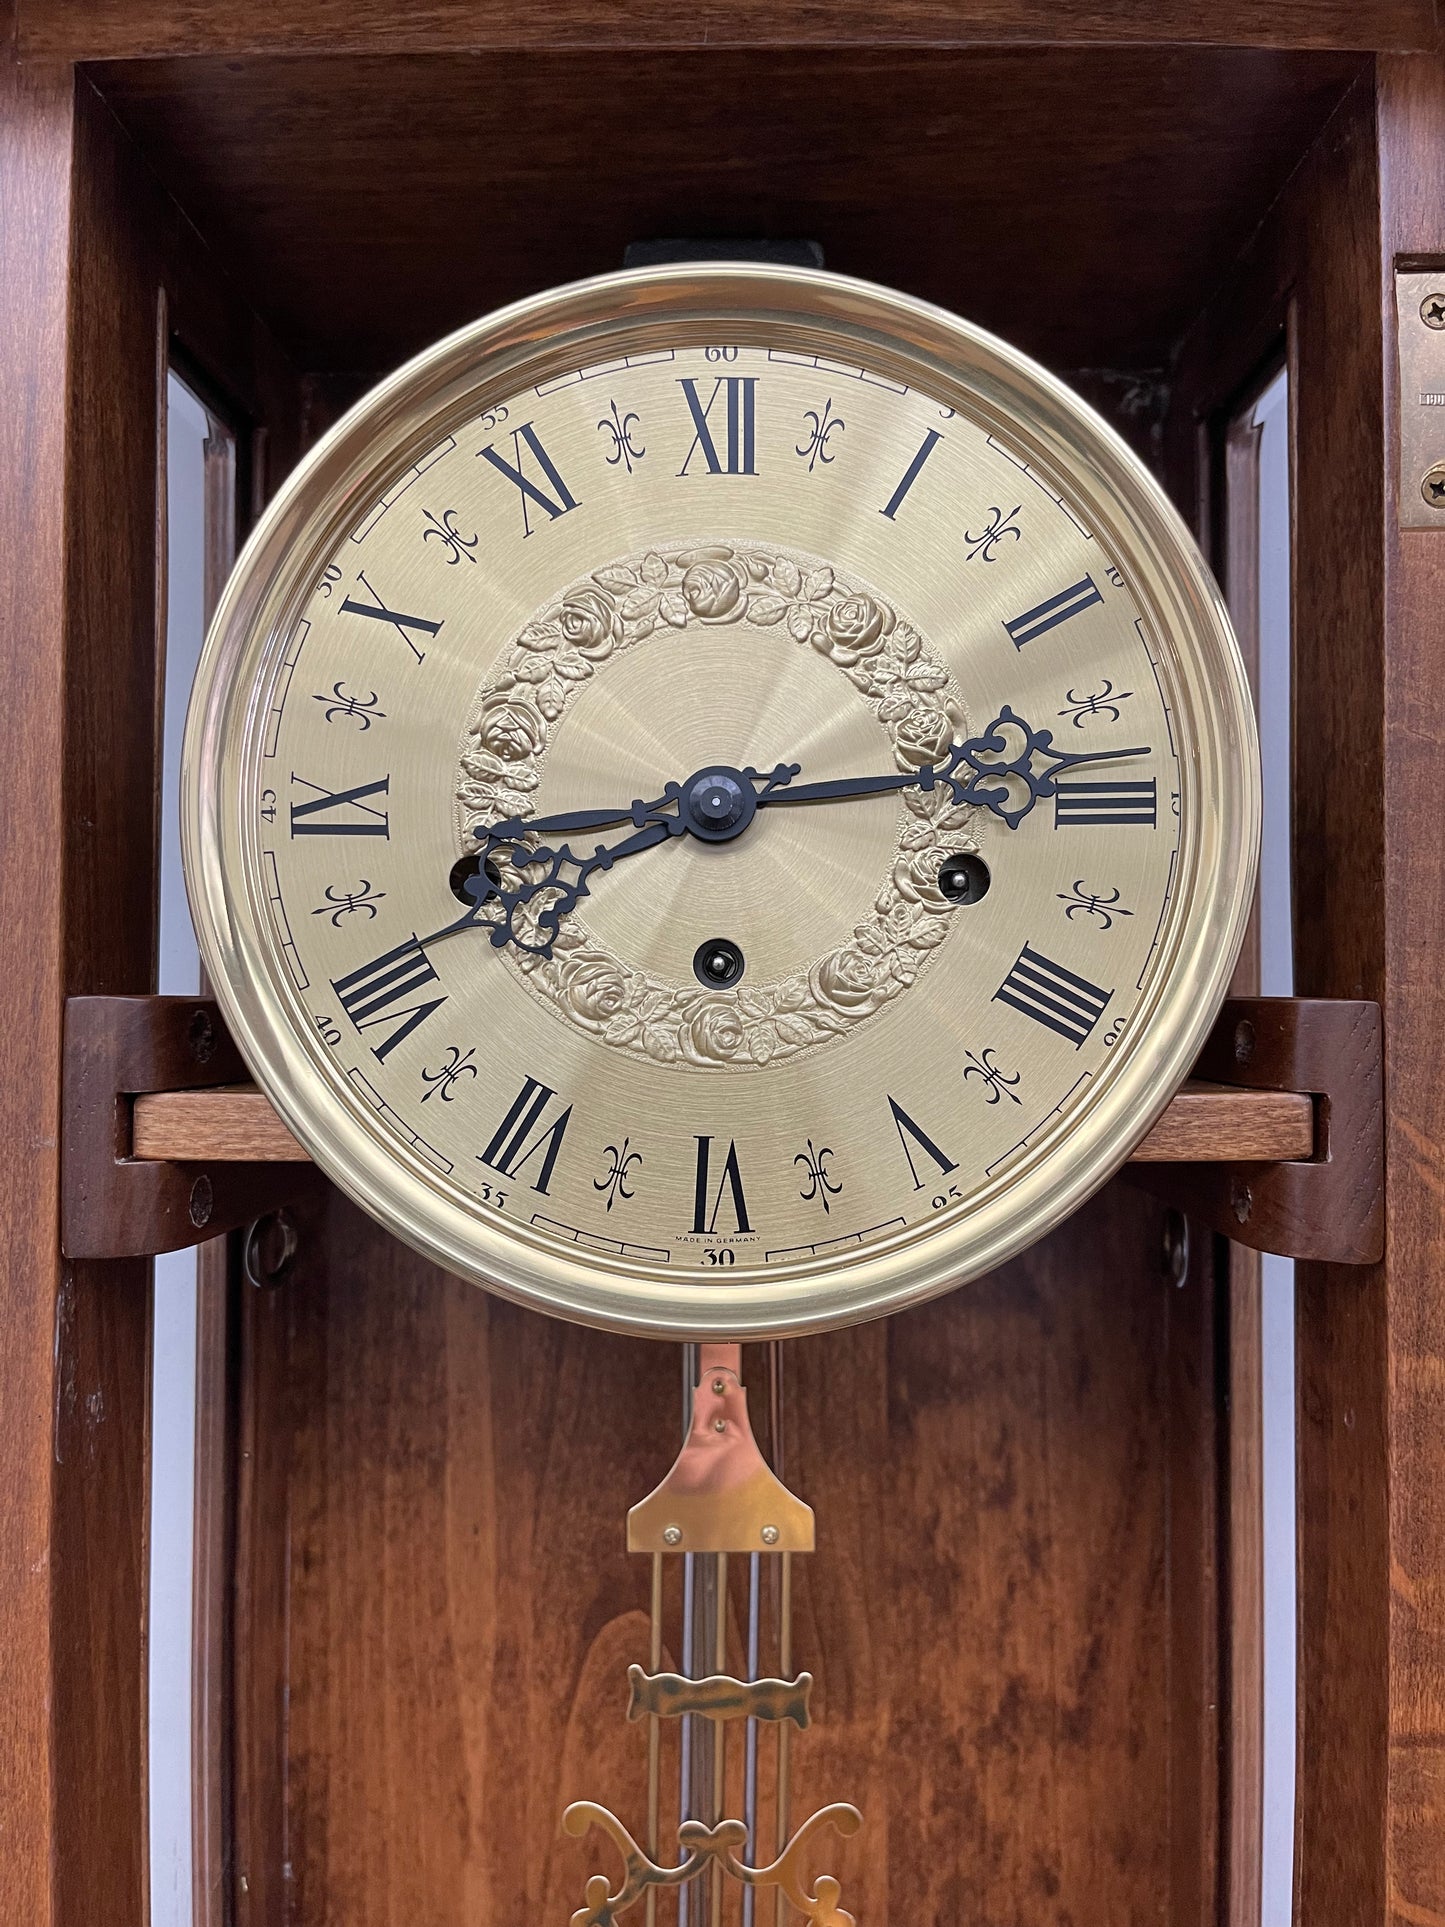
<point>960,366</point>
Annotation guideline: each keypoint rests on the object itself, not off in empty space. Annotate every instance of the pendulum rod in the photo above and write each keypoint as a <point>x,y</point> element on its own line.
<point>721,1500</point>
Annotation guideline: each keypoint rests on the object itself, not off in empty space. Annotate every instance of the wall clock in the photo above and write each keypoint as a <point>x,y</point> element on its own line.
<point>720,802</point>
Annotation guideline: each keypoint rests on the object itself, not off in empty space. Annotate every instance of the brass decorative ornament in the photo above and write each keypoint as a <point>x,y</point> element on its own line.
<point>720,802</point>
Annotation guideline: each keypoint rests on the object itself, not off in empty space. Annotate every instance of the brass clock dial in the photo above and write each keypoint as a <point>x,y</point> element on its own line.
<point>720,801</point>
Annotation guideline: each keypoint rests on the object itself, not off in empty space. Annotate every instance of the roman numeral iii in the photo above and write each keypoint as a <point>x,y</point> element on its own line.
<point>527,450</point>
<point>523,1135</point>
<point>1037,621</point>
<point>340,812</point>
<point>1057,998</point>
<point>1092,803</point>
<point>390,991</point>
<point>736,418</point>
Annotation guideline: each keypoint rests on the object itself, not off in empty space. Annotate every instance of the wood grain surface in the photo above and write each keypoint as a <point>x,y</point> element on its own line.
<point>436,1611</point>
<point>127,29</point>
<point>1081,202</point>
<point>1204,1121</point>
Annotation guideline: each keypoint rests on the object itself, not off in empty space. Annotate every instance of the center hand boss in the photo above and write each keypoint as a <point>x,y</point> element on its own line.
<point>1006,770</point>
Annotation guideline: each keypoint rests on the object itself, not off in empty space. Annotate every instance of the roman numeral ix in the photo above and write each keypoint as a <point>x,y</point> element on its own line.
<point>514,1145</point>
<point>1055,997</point>
<point>739,454</point>
<point>1037,621</point>
<point>340,812</point>
<point>525,443</point>
<point>378,993</point>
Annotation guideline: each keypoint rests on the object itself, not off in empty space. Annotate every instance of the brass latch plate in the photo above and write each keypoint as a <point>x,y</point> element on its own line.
<point>1420,335</point>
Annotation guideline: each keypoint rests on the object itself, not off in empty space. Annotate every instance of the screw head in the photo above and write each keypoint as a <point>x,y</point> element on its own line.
<point>719,1425</point>
<point>1432,485</point>
<point>1432,309</point>
<point>202,1202</point>
<point>672,1535</point>
<point>719,1385</point>
<point>770,1535</point>
<point>1241,1200</point>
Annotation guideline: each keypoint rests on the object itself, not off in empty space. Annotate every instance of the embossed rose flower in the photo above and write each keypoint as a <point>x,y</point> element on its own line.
<point>855,627</point>
<point>848,981</point>
<point>915,877</point>
<point>924,735</point>
<point>594,990</point>
<point>511,730</point>
<point>588,621</point>
<point>712,591</point>
<point>713,1033</point>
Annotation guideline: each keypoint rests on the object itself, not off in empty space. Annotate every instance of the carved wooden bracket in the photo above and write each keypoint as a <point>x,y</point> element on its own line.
<point>114,1204</point>
<point>1331,1205</point>
<point>1279,1143</point>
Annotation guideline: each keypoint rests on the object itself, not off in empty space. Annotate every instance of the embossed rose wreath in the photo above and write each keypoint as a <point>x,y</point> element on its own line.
<point>886,661</point>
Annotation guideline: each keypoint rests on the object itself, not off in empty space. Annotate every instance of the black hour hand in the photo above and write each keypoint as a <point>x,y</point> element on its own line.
<point>1010,767</point>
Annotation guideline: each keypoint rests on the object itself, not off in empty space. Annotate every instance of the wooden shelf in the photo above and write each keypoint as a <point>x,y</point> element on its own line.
<point>1212,1123</point>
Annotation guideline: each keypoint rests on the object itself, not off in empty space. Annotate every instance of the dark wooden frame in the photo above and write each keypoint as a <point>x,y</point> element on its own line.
<point>108,273</point>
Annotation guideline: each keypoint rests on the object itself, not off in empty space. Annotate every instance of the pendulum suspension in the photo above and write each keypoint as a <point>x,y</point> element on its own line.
<point>720,1501</point>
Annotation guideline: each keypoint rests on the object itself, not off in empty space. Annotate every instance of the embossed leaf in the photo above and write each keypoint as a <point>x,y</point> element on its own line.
<point>652,1005</point>
<point>871,940</point>
<point>754,1004</point>
<point>534,669</point>
<point>660,1043</point>
<point>756,566</point>
<point>793,1028</point>
<point>907,641</point>
<point>641,602</point>
<point>573,667</point>
<point>927,932</point>
<point>787,576</point>
<point>644,628</point>
<point>766,609</point>
<point>917,839</point>
<point>791,994</point>
<point>894,708</point>
<point>800,622</point>
<point>673,609</point>
<point>618,580</point>
<point>760,1043</point>
<point>552,699</point>
<point>926,675</point>
<point>817,584</point>
<point>539,635</point>
<point>622,1028</point>
<point>654,569</point>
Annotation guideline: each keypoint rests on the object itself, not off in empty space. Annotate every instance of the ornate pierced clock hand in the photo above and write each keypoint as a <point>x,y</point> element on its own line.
<point>1006,776</point>
<point>1008,781</point>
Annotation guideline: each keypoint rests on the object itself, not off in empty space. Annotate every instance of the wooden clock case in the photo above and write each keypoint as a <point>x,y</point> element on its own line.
<point>1034,1612</point>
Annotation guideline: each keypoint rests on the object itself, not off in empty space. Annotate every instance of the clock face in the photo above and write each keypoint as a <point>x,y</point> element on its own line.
<point>720,802</point>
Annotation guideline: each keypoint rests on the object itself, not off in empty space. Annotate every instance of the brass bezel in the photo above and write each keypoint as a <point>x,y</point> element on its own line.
<point>959,365</point>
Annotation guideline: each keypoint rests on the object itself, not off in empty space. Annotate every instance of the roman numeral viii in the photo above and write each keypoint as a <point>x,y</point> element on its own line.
<point>1057,998</point>
<point>390,991</point>
<point>340,812</point>
<point>1037,621</point>
<point>737,417</point>
<point>523,1135</point>
<point>527,451</point>
<point>1091,803</point>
